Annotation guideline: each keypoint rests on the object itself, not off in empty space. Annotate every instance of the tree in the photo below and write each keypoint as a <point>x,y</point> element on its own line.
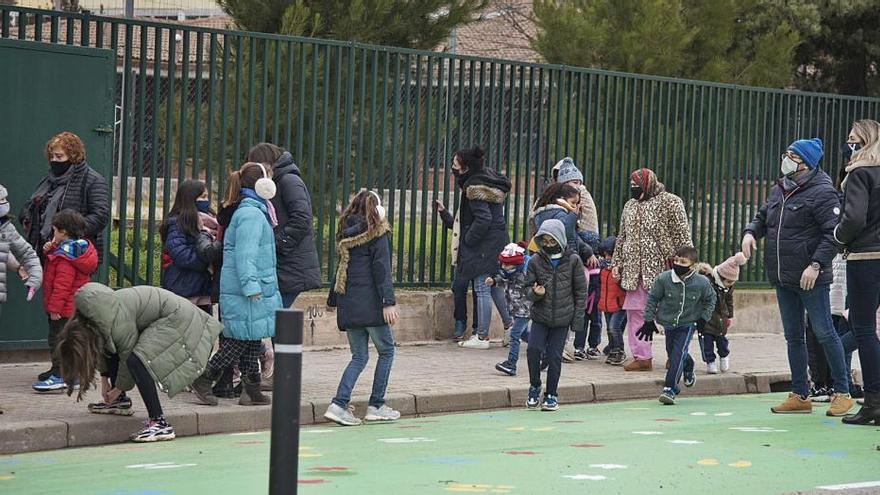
<point>405,23</point>
<point>735,41</point>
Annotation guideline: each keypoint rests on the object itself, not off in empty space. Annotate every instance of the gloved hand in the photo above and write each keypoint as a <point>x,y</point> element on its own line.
<point>647,331</point>
<point>701,325</point>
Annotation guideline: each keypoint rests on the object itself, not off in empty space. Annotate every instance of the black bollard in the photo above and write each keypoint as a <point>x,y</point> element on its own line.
<point>284,452</point>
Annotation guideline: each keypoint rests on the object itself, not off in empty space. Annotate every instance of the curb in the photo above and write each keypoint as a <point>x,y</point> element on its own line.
<point>31,436</point>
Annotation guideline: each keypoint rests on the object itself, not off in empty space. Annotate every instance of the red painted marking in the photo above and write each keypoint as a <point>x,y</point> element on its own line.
<point>250,442</point>
<point>666,420</point>
<point>329,468</point>
<point>311,482</point>
<point>587,445</point>
<point>520,452</point>
<point>569,421</point>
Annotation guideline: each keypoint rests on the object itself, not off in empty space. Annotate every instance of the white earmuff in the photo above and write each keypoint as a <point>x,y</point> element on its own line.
<point>379,208</point>
<point>265,187</point>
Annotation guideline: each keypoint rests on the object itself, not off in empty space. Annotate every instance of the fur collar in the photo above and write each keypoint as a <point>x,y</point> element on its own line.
<point>481,192</point>
<point>349,243</point>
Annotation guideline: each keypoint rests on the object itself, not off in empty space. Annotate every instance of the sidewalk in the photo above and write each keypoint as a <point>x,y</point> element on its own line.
<point>427,378</point>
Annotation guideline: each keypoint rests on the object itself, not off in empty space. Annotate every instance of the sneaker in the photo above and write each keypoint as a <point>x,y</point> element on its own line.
<point>533,401</point>
<point>45,375</point>
<point>690,378</point>
<point>820,394</point>
<point>712,368</point>
<point>725,364</point>
<point>856,391</point>
<point>567,356</point>
<point>154,431</point>
<point>49,384</point>
<point>383,413</point>
<point>593,353</point>
<point>475,342</point>
<point>793,405</point>
<point>840,405</point>
<point>550,403</point>
<point>507,368</point>
<point>606,351</point>
<point>580,355</point>
<point>342,416</point>
<point>616,358</point>
<point>121,407</point>
<point>667,397</point>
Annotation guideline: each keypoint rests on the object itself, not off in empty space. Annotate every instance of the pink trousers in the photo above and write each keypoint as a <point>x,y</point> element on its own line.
<point>634,304</point>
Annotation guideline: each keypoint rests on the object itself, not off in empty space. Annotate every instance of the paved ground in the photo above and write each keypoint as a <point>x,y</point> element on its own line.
<point>426,379</point>
<point>728,444</point>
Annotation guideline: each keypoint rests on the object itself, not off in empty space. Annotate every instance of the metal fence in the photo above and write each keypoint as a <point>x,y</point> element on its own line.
<point>193,100</point>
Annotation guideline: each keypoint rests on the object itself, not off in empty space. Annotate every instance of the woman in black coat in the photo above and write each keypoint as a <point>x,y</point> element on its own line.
<point>859,231</point>
<point>298,268</point>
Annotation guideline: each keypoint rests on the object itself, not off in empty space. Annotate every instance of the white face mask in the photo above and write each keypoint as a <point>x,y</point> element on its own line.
<point>4,209</point>
<point>789,166</point>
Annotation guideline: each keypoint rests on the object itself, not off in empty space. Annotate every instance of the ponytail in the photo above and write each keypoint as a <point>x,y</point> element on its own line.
<point>233,189</point>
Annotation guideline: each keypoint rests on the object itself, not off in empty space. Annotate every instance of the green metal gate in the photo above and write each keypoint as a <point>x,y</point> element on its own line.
<point>46,89</point>
<point>356,115</point>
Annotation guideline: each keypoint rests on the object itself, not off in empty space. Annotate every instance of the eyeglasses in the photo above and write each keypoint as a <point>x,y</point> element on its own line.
<point>792,156</point>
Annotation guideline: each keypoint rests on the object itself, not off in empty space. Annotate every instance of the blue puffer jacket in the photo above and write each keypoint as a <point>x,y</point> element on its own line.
<point>249,269</point>
<point>568,219</point>
<point>188,275</point>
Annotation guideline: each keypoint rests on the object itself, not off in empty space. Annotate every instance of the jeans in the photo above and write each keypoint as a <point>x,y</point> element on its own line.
<point>484,305</point>
<point>145,384</point>
<point>680,361</point>
<point>614,324</point>
<point>519,331</point>
<point>546,342</point>
<point>358,339</point>
<point>288,298</point>
<point>500,299</point>
<point>709,342</point>
<point>792,303</point>
<point>863,295</point>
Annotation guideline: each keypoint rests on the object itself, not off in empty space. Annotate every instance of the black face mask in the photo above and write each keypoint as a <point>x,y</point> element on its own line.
<point>635,192</point>
<point>680,270</point>
<point>551,250</point>
<point>59,168</point>
<point>848,149</point>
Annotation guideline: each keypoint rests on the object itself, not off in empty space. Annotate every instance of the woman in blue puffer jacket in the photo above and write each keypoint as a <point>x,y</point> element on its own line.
<point>249,292</point>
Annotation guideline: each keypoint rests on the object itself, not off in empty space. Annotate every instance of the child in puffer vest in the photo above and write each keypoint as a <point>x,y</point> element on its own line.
<point>511,276</point>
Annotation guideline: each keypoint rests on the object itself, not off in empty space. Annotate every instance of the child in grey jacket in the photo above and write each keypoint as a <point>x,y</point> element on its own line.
<point>682,301</point>
<point>511,277</point>
<point>16,254</point>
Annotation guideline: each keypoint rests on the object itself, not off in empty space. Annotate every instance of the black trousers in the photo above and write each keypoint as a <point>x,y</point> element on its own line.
<point>546,341</point>
<point>145,384</point>
<point>55,327</point>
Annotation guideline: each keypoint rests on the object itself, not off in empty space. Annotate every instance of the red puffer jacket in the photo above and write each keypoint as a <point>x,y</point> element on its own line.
<point>68,267</point>
<point>611,295</point>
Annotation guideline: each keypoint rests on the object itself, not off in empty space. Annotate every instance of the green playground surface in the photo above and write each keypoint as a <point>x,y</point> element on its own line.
<point>729,444</point>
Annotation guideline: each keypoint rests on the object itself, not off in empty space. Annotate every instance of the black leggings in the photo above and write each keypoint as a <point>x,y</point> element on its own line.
<point>145,384</point>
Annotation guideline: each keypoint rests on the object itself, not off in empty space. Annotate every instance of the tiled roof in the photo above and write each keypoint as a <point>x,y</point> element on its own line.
<point>503,30</point>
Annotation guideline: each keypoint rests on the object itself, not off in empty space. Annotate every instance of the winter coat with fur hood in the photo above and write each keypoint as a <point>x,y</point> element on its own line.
<point>483,230</point>
<point>859,225</point>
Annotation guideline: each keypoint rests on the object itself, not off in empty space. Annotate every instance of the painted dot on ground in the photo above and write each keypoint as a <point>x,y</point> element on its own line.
<point>569,421</point>
<point>740,464</point>
<point>7,478</point>
<point>406,440</point>
<point>311,481</point>
<point>685,442</point>
<point>585,477</point>
<point>665,420</point>
<point>699,413</point>
<point>544,428</point>
<point>708,462</point>
<point>724,414</point>
<point>318,431</point>
<point>587,445</point>
<point>517,428</point>
<point>636,409</point>
<point>608,467</point>
<point>520,452</point>
<point>647,433</point>
<point>329,468</point>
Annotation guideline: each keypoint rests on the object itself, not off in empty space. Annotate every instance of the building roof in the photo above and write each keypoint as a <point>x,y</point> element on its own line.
<point>503,30</point>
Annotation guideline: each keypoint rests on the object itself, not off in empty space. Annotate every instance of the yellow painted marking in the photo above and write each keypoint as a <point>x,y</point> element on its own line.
<point>305,447</point>
<point>740,464</point>
<point>636,409</point>
<point>308,455</point>
<point>544,428</point>
<point>708,462</point>
<point>505,487</point>
<point>6,478</point>
<point>517,428</point>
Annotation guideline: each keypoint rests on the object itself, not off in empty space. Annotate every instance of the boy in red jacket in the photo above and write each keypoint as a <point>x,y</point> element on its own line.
<point>611,297</point>
<point>70,262</point>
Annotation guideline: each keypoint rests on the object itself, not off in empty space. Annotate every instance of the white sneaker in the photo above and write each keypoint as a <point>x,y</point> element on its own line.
<point>383,413</point>
<point>342,416</point>
<point>567,356</point>
<point>712,368</point>
<point>475,343</point>
<point>505,341</point>
<point>725,364</point>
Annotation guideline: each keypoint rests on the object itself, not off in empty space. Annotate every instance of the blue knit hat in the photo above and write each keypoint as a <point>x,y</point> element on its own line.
<point>810,150</point>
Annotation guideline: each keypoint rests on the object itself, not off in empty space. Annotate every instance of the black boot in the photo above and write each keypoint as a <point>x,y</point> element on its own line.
<point>223,388</point>
<point>252,396</point>
<point>870,411</point>
<point>202,386</point>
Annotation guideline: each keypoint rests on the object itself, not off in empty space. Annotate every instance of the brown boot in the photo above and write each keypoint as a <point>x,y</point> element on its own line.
<point>639,365</point>
<point>251,395</point>
<point>793,405</point>
<point>840,405</point>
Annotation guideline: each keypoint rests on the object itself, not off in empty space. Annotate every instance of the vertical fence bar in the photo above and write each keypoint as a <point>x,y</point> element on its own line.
<point>154,154</point>
<point>197,106</point>
<point>138,160</point>
<point>184,100</point>
<point>212,107</point>
<point>225,88</point>
<point>277,113</point>
<point>121,268</point>
<point>359,179</point>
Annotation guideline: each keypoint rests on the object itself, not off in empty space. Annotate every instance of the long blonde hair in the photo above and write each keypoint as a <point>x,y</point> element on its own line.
<point>868,132</point>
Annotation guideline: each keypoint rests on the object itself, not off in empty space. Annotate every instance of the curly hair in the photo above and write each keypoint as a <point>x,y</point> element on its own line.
<point>71,144</point>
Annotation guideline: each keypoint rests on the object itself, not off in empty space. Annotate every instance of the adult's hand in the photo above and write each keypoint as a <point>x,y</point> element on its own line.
<point>23,274</point>
<point>749,245</point>
<point>615,274</point>
<point>490,281</point>
<point>538,289</point>
<point>389,313</point>
<point>439,206</point>
<point>592,262</point>
<point>808,278</point>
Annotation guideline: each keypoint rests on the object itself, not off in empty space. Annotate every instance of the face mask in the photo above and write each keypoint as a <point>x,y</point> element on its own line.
<point>680,270</point>
<point>788,166</point>
<point>4,209</point>
<point>555,251</point>
<point>849,149</point>
<point>635,192</point>
<point>203,205</point>
<point>58,168</point>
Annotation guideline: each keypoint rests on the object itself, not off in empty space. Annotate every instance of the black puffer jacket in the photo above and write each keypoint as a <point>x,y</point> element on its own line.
<point>565,286</point>
<point>365,276</point>
<point>859,227</point>
<point>483,227</point>
<point>87,193</point>
<point>799,229</point>
<point>298,268</point>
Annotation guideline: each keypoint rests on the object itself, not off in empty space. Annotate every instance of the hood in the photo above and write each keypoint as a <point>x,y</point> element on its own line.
<point>489,186</point>
<point>555,229</point>
<point>607,245</point>
<point>549,207</point>
<point>354,225</point>
<point>284,165</point>
<point>99,304</point>
<point>80,253</point>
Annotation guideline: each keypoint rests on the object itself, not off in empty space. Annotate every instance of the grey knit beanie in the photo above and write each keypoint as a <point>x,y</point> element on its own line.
<point>568,171</point>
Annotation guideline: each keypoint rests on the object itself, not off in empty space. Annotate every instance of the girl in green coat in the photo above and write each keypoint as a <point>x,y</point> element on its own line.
<point>139,336</point>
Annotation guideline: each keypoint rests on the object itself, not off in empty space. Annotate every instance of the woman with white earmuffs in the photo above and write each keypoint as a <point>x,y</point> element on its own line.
<point>249,292</point>
<point>363,293</point>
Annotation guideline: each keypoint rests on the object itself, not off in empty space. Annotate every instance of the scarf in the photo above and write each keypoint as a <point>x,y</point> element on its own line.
<point>789,184</point>
<point>45,202</point>
<point>270,208</point>
<point>347,244</point>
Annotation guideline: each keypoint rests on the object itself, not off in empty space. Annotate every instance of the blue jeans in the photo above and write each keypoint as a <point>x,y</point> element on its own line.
<point>680,361</point>
<point>519,331</point>
<point>500,299</point>
<point>709,342</point>
<point>614,324</point>
<point>358,339</point>
<point>459,299</point>
<point>546,342</point>
<point>792,303</point>
<point>484,305</point>
<point>863,295</point>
